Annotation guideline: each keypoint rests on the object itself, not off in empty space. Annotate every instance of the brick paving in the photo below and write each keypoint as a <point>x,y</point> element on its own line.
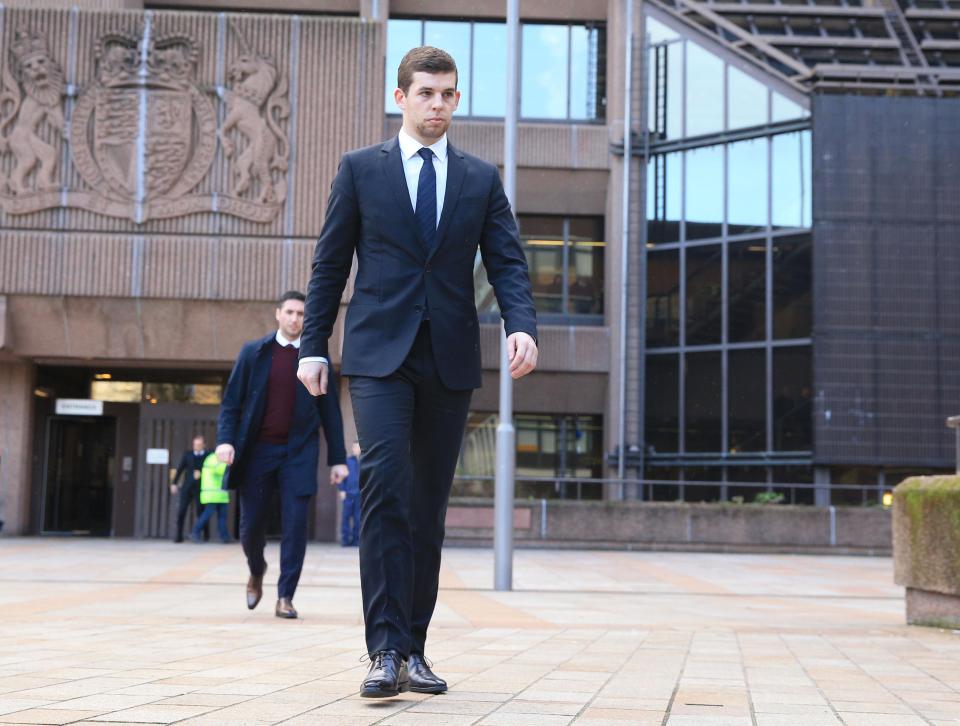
<point>112,631</point>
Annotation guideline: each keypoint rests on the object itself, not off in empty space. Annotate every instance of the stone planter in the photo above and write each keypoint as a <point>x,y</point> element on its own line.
<point>926,548</point>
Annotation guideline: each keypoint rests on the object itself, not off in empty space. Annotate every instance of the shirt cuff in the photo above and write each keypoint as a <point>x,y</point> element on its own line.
<point>314,359</point>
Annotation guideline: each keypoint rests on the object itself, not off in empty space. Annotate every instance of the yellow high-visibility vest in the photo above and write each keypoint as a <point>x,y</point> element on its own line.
<point>211,482</point>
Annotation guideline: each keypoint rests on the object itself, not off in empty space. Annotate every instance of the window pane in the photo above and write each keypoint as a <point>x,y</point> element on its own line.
<point>747,196</point>
<point>542,239</point>
<point>663,198</point>
<point>663,298</point>
<point>703,295</point>
<point>791,175</point>
<point>747,100</point>
<point>455,39</point>
<point>746,291</point>
<point>402,35</point>
<point>489,69</point>
<point>657,32</point>
<point>544,72</point>
<point>702,402</point>
<point>704,192</point>
<point>583,102</point>
<point>747,376</point>
<point>661,404</point>
<point>792,283</point>
<point>586,267</point>
<point>792,406</point>
<point>704,91</point>
<point>783,109</point>
<point>675,90</point>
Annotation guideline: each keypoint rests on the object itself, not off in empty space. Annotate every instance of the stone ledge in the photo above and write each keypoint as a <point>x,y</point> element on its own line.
<point>935,609</point>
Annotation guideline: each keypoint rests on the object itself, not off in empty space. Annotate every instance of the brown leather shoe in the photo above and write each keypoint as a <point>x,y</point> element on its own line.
<point>255,589</point>
<point>285,608</point>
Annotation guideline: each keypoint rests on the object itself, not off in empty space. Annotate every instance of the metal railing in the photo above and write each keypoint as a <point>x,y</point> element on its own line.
<point>672,490</point>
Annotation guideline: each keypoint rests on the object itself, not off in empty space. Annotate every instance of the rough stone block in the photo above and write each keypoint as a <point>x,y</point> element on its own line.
<point>926,548</point>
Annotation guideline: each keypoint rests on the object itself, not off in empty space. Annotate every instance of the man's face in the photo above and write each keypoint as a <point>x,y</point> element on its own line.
<point>198,443</point>
<point>290,319</point>
<point>428,105</point>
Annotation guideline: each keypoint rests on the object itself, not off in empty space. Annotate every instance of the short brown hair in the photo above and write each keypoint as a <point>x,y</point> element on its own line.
<point>425,59</point>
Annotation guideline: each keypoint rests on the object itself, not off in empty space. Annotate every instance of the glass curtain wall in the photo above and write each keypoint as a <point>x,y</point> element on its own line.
<point>562,75</point>
<point>728,379</point>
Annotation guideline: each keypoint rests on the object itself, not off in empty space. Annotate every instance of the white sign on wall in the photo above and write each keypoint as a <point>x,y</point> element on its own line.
<point>158,456</point>
<point>79,407</point>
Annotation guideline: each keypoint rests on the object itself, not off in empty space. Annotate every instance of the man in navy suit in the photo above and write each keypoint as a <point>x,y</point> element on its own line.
<point>414,210</point>
<point>268,434</point>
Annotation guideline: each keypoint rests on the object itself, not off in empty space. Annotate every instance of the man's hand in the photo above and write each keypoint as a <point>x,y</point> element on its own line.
<point>173,488</point>
<point>313,375</point>
<point>225,453</point>
<point>522,352</point>
<point>338,473</point>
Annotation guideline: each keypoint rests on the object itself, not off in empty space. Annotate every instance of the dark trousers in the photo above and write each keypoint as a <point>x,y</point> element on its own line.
<point>270,470</point>
<point>208,511</point>
<point>189,494</point>
<point>350,519</point>
<point>410,428</point>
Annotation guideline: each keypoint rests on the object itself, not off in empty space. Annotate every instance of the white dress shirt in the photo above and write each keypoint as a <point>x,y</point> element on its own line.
<point>281,339</point>
<point>412,164</point>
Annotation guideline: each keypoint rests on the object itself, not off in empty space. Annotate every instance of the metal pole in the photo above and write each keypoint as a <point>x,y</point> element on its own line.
<point>506,435</point>
<point>625,237</point>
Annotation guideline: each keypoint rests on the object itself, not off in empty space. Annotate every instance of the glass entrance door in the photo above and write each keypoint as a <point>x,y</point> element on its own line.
<point>78,495</point>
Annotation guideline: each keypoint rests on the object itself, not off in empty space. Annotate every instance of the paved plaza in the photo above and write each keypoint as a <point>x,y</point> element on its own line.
<point>97,631</point>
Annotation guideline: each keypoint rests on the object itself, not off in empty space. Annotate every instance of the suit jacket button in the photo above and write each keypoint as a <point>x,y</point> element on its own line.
<point>418,308</point>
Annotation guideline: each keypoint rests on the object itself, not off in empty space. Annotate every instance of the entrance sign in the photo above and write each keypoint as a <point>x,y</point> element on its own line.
<point>158,456</point>
<point>79,407</point>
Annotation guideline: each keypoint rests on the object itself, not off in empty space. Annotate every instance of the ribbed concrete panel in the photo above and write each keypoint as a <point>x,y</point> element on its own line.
<point>179,267</point>
<point>340,80</point>
<point>57,264</point>
<point>247,269</point>
<point>98,265</point>
<point>562,348</point>
<point>562,146</point>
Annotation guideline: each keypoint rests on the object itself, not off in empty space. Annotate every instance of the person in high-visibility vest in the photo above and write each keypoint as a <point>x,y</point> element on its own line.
<point>214,498</point>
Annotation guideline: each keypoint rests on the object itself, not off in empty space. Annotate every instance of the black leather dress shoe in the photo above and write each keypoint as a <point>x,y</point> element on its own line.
<point>387,675</point>
<point>422,679</point>
<point>285,609</point>
<point>255,589</point>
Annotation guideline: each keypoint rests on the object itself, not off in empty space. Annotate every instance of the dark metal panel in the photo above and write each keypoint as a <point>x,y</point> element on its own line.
<point>886,279</point>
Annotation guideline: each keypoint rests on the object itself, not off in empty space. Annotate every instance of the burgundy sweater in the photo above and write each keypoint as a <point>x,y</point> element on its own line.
<point>281,395</point>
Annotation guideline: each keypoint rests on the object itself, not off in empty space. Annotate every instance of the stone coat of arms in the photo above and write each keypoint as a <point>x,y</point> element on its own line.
<point>143,134</point>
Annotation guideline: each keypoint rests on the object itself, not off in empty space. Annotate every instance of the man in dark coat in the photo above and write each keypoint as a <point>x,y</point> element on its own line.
<point>268,434</point>
<point>191,463</point>
<point>414,210</point>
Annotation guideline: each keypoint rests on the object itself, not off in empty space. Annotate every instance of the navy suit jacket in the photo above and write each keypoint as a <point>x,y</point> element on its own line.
<point>241,413</point>
<point>369,213</point>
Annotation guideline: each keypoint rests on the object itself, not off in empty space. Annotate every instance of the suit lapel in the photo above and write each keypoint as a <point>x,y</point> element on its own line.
<point>393,169</point>
<point>456,171</point>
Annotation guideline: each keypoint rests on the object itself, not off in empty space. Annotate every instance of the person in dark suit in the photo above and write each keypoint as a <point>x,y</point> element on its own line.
<point>268,433</point>
<point>191,463</point>
<point>350,497</point>
<point>414,210</point>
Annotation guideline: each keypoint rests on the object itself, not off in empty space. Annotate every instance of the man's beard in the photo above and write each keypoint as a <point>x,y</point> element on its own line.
<point>47,92</point>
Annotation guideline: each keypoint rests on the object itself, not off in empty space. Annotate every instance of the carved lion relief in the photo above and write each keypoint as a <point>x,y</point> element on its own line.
<point>143,132</point>
<point>256,106</point>
<point>31,98</point>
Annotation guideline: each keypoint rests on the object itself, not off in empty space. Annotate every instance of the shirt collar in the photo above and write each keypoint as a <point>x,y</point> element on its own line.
<point>409,146</point>
<point>283,341</point>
